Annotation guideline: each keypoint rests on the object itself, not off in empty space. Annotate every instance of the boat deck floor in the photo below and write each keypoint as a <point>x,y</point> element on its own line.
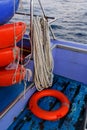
<point>74,120</point>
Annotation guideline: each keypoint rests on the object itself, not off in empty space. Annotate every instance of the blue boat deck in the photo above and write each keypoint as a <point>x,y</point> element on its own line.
<point>74,120</point>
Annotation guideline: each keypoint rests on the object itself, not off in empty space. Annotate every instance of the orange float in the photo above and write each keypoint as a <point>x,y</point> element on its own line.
<point>7,55</point>
<point>7,77</point>
<point>10,32</point>
<point>49,115</point>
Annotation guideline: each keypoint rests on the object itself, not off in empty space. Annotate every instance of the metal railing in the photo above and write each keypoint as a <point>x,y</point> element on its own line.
<point>31,19</point>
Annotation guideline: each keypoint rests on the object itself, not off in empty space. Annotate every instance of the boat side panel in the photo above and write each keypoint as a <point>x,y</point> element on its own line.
<point>70,64</point>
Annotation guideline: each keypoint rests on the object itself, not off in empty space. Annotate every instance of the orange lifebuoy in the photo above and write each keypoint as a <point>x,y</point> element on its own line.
<point>7,55</point>
<point>49,115</point>
<point>11,32</point>
<point>7,77</point>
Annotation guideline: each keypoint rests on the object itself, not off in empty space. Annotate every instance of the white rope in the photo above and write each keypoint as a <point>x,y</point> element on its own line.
<point>28,71</point>
<point>17,64</point>
<point>15,49</point>
<point>43,61</point>
<point>16,52</point>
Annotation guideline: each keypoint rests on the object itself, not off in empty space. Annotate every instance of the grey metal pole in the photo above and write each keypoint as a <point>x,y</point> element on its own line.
<point>45,17</point>
<point>31,25</point>
<point>42,8</point>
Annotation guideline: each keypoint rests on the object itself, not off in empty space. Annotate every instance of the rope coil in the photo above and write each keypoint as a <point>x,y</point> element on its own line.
<point>43,61</point>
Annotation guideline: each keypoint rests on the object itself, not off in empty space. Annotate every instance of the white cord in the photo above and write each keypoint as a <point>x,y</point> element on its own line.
<point>43,61</point>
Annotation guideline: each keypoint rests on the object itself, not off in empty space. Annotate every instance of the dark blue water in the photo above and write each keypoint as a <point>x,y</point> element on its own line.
<point>72,18</point>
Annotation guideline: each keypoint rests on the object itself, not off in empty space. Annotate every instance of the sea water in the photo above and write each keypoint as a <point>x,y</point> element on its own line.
<point>71,23</point>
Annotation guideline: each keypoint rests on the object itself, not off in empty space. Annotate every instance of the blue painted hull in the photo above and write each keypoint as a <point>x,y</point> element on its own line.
<point>68,62</point>
<point>7,10</point>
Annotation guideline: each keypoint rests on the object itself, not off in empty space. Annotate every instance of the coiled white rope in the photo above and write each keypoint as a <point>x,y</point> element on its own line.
<point>43,61</point>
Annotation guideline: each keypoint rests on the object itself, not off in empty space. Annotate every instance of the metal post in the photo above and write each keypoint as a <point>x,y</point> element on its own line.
<point>31,24</point>
<point>42,9</point>
<point>46,18</point>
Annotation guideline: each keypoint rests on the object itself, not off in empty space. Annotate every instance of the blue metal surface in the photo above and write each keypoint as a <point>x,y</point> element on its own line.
<point>9,94</point>
<point>7,10</point>
<point>70,63</point>
<point>77,94</point>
